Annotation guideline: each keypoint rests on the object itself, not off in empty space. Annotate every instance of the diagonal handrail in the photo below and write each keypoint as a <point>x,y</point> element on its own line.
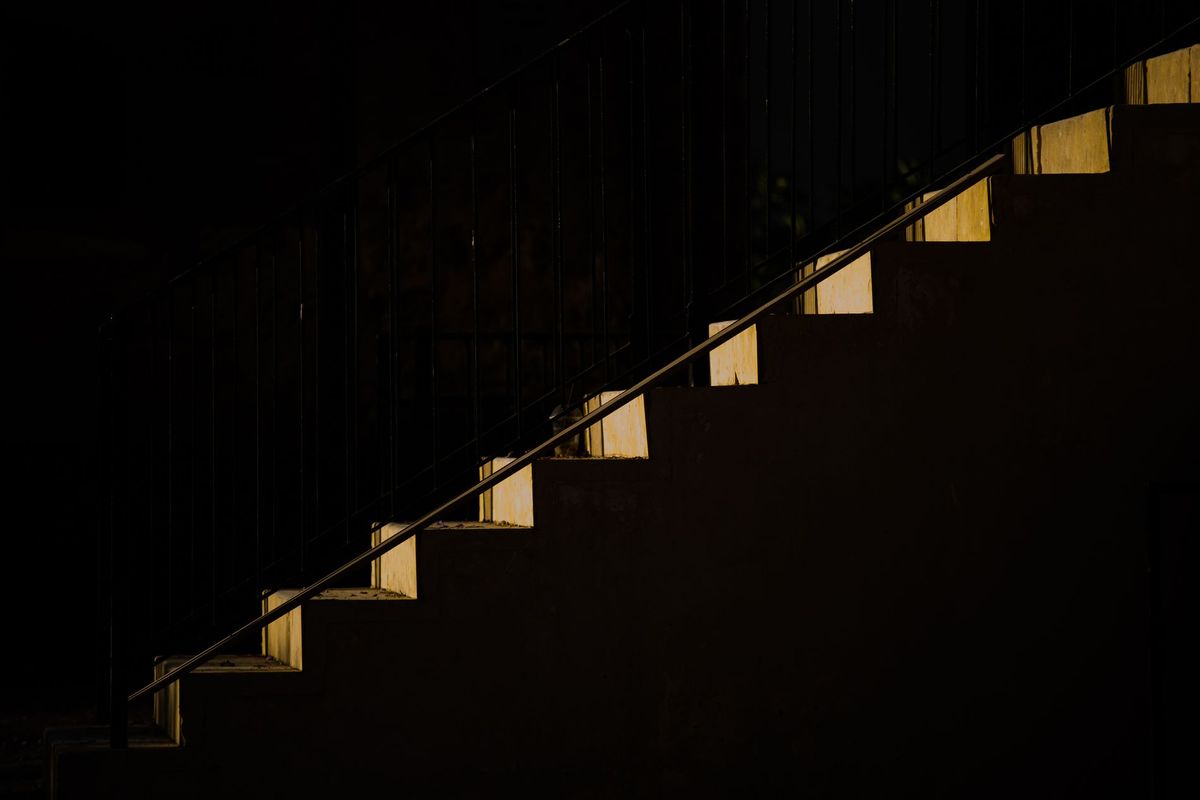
<point>548,445</point>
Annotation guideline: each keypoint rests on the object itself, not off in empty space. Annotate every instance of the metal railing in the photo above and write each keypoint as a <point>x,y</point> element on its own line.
<point>572,228</point>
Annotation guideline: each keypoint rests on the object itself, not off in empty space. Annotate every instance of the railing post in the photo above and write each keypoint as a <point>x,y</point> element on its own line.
<point>113,565</point>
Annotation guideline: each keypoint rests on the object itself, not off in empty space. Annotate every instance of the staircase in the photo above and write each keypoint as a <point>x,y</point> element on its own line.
<point>898,548</point>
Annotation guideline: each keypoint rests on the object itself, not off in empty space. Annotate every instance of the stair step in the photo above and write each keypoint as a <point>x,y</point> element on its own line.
<point>1112,139</point>
<point>621,434</point>
<point>284,640</point>
<point>1169,78</point>
<point>166,702</point>
<point>510,501</point>
<point>397,570</point>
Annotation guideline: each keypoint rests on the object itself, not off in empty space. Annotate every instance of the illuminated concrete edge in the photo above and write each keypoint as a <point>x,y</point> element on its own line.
<point>395,570</point>
<point>966,218</point>
<point>1170,78</point>
<point>847,292</point>
<point>283,639</point>
<point>622,434</point>
<point>510,501</point>
<point>1075,145</point>
<point>734,363</point>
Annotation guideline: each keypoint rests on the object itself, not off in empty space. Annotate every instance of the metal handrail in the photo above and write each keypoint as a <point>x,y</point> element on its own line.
<point>610,407</point>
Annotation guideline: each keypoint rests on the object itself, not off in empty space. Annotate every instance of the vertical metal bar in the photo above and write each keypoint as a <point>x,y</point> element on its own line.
<point>633,205</point>
<point>212,453</point>
<point>724,145</point>
<point>591,193</point>
<point>346,356</point>
<point>894,165</point>
<point>195,460</point>
<point>1071,48</point>
<point>151,604</point>
<point>933,87</point>
<point>316,421</point>
<point>258,422</point>
<point>350,345</point>
<point>685,183</point>
<point>475,381</point>
<point>274,403</point>
<point>234,461</point>
<point>170,456</point>
<point>102,464</point>
<point>514,233</point>
<point>837,36</point>
<point>812,147</point>
<point>1024,114</point>
<point>1115,61</point>
<point>647,209</point>
<point>604,227</point>
<point>749,243</point>
<point>885,174</point>
<point>352,487</point>
<point>766,45</point>
<point>853,108</point>
<point>393,391</point>
<point>975,137</point>
<point>792,131</point>
<point>301,453</point>
<point>117,708</point>
<point>433,301</point>
<point>556,194</point>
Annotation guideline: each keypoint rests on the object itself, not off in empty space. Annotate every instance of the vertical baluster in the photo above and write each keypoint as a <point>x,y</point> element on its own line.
<point>170,456</point>
<point>591,193</point>
<point>724,260</point>
<point>647,209</point>
<point>853,109</point>
<point>885,174</point>
<point>556,194</point>
<point>792,131</point>
<point>194,408</point>
<point>685,183</point>
<point>150,604</point>
<point>212,447</point>
<point>274,405</point>
<point>433,300</point>
<point>749,181</point>
<point>837,36</point>
<point>315,530</point>
<point>767,75</point>
<point>608,371</point>
<point>933,88</point>
<point>1071,48</point>
<point>393,380</point>
<point>257,422</point>
<point>474,251</point>
<point>303,508</point>
<point>514,233</point>
<point>234,461</point>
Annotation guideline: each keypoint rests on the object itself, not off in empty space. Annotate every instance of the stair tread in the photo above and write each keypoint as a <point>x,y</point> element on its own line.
<point>459,525</point>
<point>98,736</point>
<point>234,663</point>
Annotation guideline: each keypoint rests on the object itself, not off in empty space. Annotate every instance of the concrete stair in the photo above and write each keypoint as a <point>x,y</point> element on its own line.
<point>868,561</point>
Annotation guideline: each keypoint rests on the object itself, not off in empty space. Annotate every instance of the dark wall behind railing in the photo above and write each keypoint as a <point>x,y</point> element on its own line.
<point>577,225</point>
